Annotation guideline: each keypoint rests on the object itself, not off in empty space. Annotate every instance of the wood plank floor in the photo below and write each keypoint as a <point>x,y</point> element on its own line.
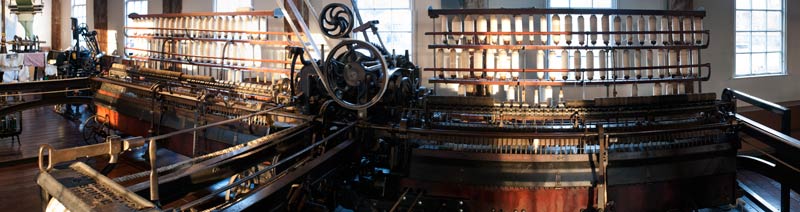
<point>41,126</point>
<point>767,189</point>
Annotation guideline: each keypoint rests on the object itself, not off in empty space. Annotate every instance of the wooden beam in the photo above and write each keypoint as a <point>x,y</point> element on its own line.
<point>100,14</point>
<point>55,26</point>
<point>172,6</point>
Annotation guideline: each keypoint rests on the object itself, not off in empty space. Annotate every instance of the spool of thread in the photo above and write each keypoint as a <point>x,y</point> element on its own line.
<point>695,61</point>
<point>505,24</point>
<point>515,64</point>
<point>439,61</point>
<point>641,27</point>
<point>606,36</point>
<point>629,28</point>
<point>626,62</point>
<point>651,24</point>
<point>649,63</point>
<point>665,28</point>
<point>590,64</point>
<point>603,58</point>
<point>673,61</point>
<point>676,26</point>
<point>568,29</point>
<point>556,25</point>
<point>464,63</point>
<point>576,58</point>
<point>684,60</point>
<point>540,64</point>
<point>593,28</point>
<point>637,63</point>
<point>687,26</point>
<point>469,26</point>
<point>618,28</point>
<point>698,26</point>
<point>493,39</point>
<point>531,28</point>
<point>581,29</point>
<point>564,64</point>
<point>456,27</point>
<point>481,26</point>
<point>452,62</point>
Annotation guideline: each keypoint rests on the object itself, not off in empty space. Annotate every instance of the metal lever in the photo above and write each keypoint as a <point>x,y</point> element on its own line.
<point>373,25</point>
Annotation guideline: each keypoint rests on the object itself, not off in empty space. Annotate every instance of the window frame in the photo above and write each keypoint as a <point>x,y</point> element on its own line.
<point>216,9</point>
<point>385,33</point>
<point>72,10</point>
<point>750,52</point>
<point>127,12</point>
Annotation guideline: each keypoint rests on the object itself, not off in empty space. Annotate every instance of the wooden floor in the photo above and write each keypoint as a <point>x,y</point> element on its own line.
<point>767,189</point>
<point>40,126</point>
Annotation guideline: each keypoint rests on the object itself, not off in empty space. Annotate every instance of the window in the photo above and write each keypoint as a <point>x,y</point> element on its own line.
<point>607,4</point>
<point>395,25</point>
<point>231,5</point>
<point>134,6</point>
<point>759,38</point>
<point>79,11</point>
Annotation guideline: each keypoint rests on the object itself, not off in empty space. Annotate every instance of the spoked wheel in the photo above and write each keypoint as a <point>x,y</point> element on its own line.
<point>355,74</point>
<point>95,130</point>
<point>249,185</point>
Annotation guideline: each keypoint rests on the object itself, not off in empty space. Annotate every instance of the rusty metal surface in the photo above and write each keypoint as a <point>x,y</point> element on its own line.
<point>486,198</point>
<point>81,188</point>
<point>676,195</point>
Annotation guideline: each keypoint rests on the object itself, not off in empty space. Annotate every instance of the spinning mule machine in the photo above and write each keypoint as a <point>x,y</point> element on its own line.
<point>527,110</point>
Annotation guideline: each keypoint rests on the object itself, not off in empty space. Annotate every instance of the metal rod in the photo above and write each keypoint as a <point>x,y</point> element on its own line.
<point>209,125</point>
<point>262,171</point>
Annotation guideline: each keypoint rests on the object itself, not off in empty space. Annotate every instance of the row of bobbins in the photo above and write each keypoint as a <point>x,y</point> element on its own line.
<point>658,30</point>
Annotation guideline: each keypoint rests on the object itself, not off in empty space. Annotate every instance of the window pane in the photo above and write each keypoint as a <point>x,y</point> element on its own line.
<point>774,21</point>
<point>759,63</point>
<point>774,63</point>
<point>603,4</point>
<point>365,4</point>
<point>774,4</point>
<point>774,41</point>
<point>743,42</point>
<point>759,4</point>
<point>742,64</point>
<point>743,20</point>
<point>743,4</point>
<point>581,3</point>
<point>759,20</point>
<point>401,4</point>
<point>759,42</point>
<point>559,3</point>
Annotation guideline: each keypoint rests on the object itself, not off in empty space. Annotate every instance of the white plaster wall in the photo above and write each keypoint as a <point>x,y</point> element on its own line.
<point>720,20</point>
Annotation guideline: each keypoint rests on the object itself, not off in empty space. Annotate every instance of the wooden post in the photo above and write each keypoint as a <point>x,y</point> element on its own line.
<point>55,26</point>
<point>172,6</point>
<point>101,23</point>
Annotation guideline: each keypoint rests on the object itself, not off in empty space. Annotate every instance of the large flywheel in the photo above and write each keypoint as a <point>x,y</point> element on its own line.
<point>355,74</point>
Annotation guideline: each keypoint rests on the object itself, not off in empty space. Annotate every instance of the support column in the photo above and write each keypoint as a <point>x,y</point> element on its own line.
<point>101,23</point>
<point>172,6</point>
<point>55,26</point>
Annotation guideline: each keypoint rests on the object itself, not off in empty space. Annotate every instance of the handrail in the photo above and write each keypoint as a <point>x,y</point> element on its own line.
<point>786,114</point>
<point>786,146</point>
